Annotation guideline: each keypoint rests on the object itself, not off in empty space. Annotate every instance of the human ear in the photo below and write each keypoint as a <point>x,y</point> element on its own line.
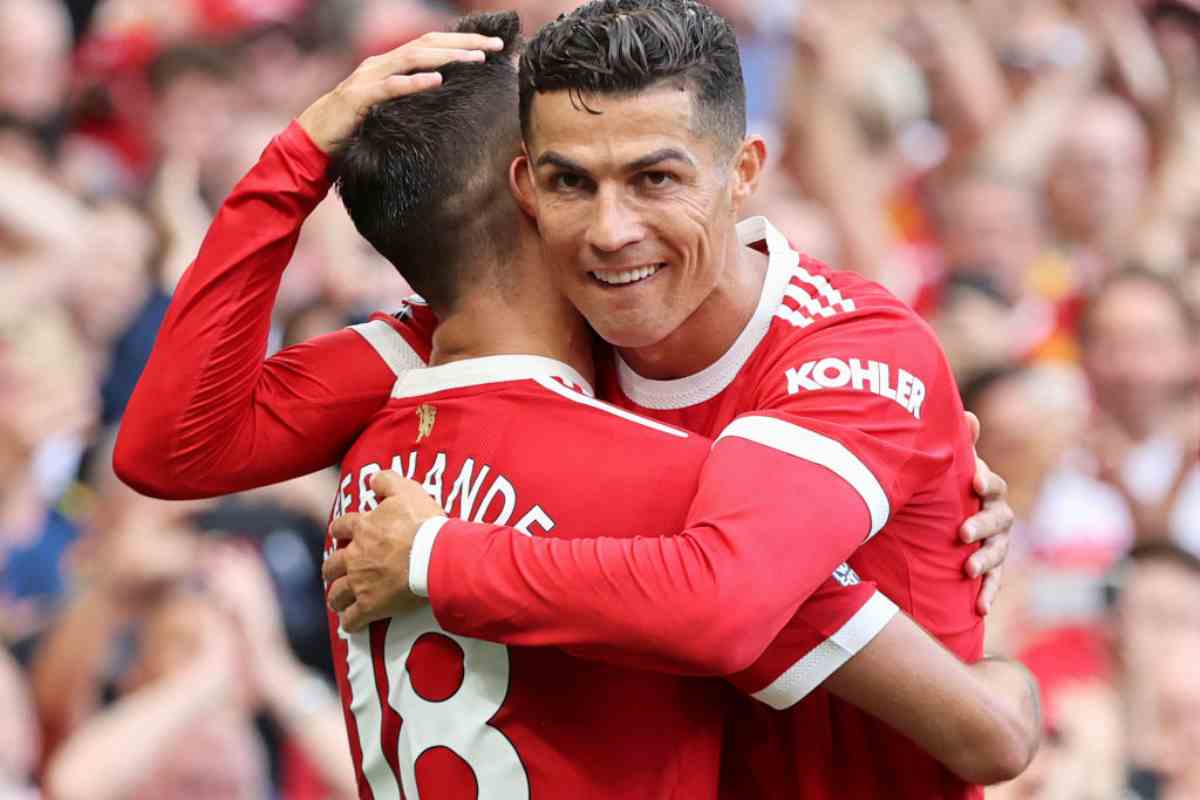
<point>748,166</point>
<point>520,183</point>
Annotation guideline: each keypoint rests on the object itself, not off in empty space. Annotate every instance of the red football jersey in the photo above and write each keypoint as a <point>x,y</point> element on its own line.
<point>210,416</point>
<point>834,370</point>
<point>833,384</point>
<point>504,440</point>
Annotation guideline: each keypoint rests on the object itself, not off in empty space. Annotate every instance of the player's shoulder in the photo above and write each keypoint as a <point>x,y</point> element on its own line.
<point>820,307</point>
<point>402,338</point>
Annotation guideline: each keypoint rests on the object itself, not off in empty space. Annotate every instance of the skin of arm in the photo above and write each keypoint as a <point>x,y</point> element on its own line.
<point>963,70</point>
<point>69,667</point>
<point>982,721</point>
<point>94,764</point>
<point>309,713</point>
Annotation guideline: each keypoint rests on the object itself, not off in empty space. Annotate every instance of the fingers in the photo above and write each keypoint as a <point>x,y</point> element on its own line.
<point>973,426</point>
<point>995,518</point>
<point>354,619</point>
<point>988,484</point>
<point>334,566</point>
<point>988,557</point>
<point>390,483</point>
<point>461,41</point>
<point>415,57</point>
<point>343,528</point>
<point>397,86</point>
<point>341,595</point>
<point>989,590</point>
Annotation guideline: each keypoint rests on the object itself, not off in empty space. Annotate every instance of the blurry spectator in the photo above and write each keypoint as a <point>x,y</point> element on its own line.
<point>977,326</point>
<point>992,231</point>
<point>19,740</point>
<point>44,413</point>
<point>1030,424</point>
<point>194,100</point>
<point>35,39</point>
<point>1139,347</point>
<point>996,162</point>
<point>206,660</point>
<point>105,299</point>
<point>1156,635</point>
<point>1098,183</point>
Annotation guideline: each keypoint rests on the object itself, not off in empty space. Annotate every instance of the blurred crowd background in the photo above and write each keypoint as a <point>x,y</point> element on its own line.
<point>1025,172</point>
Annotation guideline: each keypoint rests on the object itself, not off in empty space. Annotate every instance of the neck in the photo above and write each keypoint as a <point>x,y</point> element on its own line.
<point>527,318</point>
<point>713,328</point>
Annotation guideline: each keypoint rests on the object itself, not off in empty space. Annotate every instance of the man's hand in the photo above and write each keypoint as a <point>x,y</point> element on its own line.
<point>368,573</point>
<point>406,70</point>
<point>991,526</point>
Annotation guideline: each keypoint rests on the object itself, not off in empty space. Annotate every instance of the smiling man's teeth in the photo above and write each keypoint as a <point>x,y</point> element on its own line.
<point>626,276</point>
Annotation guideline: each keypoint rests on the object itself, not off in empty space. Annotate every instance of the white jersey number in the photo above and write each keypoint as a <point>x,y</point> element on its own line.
<point>458,723</point>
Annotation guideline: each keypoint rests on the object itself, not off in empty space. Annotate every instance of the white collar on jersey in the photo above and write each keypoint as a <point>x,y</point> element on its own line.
<point>712,380</point>
<point>486,369</point>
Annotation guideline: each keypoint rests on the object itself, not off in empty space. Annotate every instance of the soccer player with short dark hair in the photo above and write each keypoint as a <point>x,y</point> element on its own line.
<point>813,384</point>
<point>292,369</point>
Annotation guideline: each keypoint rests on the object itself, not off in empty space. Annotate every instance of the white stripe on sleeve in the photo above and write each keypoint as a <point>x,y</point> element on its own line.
<point>811,671</point>
<point>421,554</point>
<point>818,449</point>
<point>390,346</point>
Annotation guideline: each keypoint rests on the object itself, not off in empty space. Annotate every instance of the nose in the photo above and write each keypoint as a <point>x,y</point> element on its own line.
<point>614,226</point>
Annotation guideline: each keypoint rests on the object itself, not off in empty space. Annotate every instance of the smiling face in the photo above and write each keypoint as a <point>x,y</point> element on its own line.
<point>636,206</point>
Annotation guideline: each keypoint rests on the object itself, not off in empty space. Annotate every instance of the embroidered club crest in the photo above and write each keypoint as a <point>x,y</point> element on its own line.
<point>426,416</point>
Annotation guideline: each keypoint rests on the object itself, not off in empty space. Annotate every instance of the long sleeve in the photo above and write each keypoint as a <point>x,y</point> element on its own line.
<point>706,601</point>
<point>210,415</point>
<point>833,452</point>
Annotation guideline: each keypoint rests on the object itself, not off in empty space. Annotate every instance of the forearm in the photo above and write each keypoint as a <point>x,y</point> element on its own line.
<point>980,721</point>
<point>308,711</point>
<point>193,407</point>
<point>843,177</point>
<point>705,601</point>
<point>36,213</point>
<point>67,672</point>
<point>964,69</point>
<point>1026,142</point>
<point>95,763</point>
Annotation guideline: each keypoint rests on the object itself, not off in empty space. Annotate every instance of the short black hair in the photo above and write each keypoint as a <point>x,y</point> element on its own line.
<point>625,46</point>
<point>424,177</point>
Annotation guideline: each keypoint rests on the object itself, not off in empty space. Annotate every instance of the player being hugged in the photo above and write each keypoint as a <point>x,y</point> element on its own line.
<point>837,426</point>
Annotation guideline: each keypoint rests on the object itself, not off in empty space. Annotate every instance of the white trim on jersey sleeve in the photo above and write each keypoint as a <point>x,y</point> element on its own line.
<point>715,378</point>
<point>390,346</point>
<point>818,449</point>
<point>600,405</point>
<point>826,658</point>
<point>421,554</point>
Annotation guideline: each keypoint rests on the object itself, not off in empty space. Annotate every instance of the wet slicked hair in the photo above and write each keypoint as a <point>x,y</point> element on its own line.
<point>619,47</point>
<point>424,177</point>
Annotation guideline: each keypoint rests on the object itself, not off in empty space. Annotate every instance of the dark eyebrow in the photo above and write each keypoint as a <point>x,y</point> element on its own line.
<point>554,159</point>
<point>659,156</point>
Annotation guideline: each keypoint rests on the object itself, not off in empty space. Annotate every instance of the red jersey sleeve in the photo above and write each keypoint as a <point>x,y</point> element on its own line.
<point>790,490</point>
<point>841,618</point>
<point>209,415</point>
